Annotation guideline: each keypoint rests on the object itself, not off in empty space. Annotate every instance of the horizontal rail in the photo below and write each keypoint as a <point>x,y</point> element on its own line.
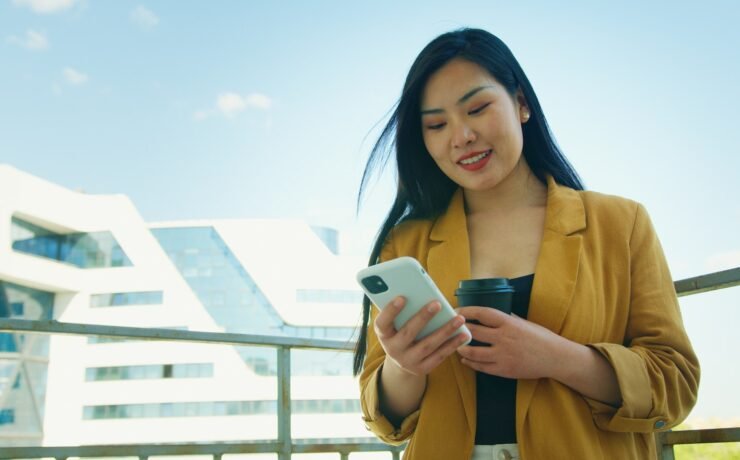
<point>705,436</point>
<point>216,449</point>
<point>708,282</point>
<point>147,333</point>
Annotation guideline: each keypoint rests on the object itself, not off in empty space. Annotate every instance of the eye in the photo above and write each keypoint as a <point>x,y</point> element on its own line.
<point>479,109</point>
<point>436,126</point>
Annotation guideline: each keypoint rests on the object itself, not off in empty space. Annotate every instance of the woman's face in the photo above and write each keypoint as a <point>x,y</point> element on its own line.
<point>472,126</point>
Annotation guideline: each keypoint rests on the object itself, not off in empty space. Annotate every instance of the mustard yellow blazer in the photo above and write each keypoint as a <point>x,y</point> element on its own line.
<point>601,279</point>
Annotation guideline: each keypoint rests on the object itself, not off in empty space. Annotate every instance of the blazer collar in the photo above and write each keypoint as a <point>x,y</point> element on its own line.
<point>565,213</point>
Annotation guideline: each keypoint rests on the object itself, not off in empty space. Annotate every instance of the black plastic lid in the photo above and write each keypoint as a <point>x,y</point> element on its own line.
<point>484,284</point>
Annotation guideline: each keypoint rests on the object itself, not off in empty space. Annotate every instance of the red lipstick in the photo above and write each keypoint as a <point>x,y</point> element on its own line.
<point>478,164</point>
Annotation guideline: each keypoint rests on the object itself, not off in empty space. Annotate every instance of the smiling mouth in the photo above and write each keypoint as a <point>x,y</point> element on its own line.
<point>475,158</point>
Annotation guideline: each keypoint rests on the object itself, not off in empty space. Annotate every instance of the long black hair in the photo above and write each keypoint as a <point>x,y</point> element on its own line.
<point>424,191</point>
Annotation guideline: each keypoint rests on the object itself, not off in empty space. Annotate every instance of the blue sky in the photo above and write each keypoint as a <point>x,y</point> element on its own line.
<point>268,109</point>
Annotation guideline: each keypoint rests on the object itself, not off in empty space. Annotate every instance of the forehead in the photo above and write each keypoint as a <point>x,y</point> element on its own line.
<point>453,80</point>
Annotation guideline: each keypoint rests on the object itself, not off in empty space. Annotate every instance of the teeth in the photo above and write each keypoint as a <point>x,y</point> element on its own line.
<point>479,157</point>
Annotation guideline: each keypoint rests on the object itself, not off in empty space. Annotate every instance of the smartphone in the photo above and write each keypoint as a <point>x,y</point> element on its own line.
<point>406,277</point>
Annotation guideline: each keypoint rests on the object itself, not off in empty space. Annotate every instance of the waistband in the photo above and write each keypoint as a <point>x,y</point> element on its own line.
<point>496,452</point>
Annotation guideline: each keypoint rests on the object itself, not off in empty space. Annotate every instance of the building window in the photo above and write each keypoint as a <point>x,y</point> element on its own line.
<point>83,250</point>
<point>119,299</point>
<point>147,372</point>
<point>218,408</point>
<point>7,416</point>
<point>7,343</point>
<point>17,309</point>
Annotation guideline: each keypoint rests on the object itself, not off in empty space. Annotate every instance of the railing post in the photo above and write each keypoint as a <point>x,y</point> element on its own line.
<point>283,415</point>
<point>663,450</point>
<point>667,453</point>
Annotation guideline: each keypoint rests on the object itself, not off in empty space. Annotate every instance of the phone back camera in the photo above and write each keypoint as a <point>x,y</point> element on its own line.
<point>374,284</point>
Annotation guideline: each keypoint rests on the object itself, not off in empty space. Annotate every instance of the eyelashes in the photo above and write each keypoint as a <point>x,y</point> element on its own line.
<point>477,110</point>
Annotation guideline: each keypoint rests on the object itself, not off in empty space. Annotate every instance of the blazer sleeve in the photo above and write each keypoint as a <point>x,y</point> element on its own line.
<point>374,419</point>
<point>656,367</point>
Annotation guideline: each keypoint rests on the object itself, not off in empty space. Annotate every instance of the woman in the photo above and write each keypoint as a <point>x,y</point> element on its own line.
<point>595,359</point>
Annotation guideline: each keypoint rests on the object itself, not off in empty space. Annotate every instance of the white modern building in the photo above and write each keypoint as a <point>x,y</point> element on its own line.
<point>91,259</point>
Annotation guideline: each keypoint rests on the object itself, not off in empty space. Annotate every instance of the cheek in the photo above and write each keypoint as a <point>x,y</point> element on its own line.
<point>433,146</point>
<point>511,134</point>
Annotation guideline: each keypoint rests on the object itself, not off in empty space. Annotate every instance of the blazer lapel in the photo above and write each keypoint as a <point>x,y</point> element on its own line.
<point>556,272</point>
<point>448,262</point>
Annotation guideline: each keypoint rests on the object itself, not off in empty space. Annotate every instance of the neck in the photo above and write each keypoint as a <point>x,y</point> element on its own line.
<point>520,189</point>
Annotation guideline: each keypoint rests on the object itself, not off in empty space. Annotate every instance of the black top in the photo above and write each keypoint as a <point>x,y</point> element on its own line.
<point>496,396</point>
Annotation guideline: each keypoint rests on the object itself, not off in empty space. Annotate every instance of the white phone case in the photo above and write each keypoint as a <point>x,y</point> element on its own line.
<point>406,277</point>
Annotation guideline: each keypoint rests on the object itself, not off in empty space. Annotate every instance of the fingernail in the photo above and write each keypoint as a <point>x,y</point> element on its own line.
<point>459,321</point>
<point>434,307</point>
<point>398,302</point>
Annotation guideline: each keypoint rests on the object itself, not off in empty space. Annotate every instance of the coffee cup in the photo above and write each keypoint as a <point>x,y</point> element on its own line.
<point>487,292</point>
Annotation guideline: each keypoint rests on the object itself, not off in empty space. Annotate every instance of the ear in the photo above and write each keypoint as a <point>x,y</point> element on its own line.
<point>524,112</point>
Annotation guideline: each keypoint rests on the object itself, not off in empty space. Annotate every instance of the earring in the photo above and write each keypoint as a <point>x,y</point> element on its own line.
<point>525,115</point>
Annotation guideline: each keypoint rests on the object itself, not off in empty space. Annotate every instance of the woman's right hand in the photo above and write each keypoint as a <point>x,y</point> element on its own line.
<point>403,351</point>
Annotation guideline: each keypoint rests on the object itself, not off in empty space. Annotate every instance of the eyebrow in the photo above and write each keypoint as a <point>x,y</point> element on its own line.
<point>465,97</point>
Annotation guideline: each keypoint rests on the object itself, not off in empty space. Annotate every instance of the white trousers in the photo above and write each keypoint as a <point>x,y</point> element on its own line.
<point>496,452</point>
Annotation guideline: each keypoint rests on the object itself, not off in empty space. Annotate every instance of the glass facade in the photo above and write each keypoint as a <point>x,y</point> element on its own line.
<point>219,408</point>
<point>83,250</point>
<point>236,303</point>
<point>329,236</point>
<point>7,417</point>
<point>120,299</point>
<point>152,371</point>
<point>23,366</point>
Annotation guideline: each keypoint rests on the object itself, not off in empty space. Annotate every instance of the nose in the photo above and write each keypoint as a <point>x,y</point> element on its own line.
<point>462,135</point>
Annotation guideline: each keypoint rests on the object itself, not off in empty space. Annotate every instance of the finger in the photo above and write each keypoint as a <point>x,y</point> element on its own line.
<point>408,332</point>
<point>488,368</point>
<point>384,321</point>
<point>478,354</point>
<point>485,315</point>
<point>433,341</point>
<point>447,348</point>
<point>482,333</point>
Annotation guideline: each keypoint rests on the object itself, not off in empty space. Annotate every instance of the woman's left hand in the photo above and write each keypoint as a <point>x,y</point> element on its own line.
<point>519,349</point>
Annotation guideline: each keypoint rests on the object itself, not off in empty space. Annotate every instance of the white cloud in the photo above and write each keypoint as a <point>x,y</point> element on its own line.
<point>230,104</point>
<point>46,6</point>
<point>74,77</point>
<point>259,101</point>
<point>144,17</point>
<point>723,261</point>
<point>33,40</point>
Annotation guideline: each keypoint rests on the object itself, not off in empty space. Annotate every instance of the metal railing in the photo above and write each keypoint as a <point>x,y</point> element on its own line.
<point>284,445</point>
<point>665,441</point>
